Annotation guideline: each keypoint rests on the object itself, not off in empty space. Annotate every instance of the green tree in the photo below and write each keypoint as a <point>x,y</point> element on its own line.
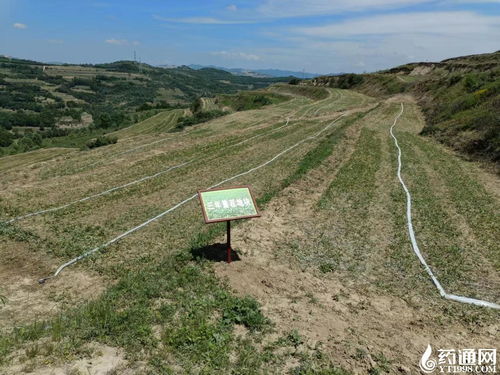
<point>6,137</point>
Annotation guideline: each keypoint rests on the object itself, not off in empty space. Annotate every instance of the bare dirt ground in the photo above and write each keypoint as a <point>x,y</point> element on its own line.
<point>28,301</point>
<point>102,360</point>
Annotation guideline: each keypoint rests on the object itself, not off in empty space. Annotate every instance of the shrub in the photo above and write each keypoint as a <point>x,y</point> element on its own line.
<point>454,79</point>
<point>347,81</point>
<point>29,141</point>
<point>197,106</point>
<point>197,118</point>
<point>262,100</point>
<point>472,83</point>
<point>6,137</point>
<point>102,140</point>
<point>244,311</point>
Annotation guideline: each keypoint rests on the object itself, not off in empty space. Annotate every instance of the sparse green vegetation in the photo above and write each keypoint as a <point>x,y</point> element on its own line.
<point>172,313</point>
<point>244,101</point>
<point>315,93</point>
<point>101,141</point>
<point>460,99</point>
<point>355,182</point>
<point>197,118</point>
<point>113,94</point>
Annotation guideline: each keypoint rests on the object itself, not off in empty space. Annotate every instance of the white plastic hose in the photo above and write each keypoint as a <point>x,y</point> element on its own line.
<point>98,194</point>
<point>413,240</point>
<point>130,231</point>
<point>260,135</point>
<point>145,178</point>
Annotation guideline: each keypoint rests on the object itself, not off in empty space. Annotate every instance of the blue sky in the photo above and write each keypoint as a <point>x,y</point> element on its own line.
<point>316,35</point>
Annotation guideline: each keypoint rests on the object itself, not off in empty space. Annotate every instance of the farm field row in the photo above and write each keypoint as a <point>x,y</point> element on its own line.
<point>325,276</point>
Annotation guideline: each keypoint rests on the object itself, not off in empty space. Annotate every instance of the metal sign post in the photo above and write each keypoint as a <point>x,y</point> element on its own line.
<point>226,204</point>
<point>229,241</point>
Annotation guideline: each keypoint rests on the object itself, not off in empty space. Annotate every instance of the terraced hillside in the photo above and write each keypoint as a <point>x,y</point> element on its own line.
<point>325,282</point>
<point>42,105</point>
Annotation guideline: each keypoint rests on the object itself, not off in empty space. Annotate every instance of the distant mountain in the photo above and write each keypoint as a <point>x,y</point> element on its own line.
<point>54,62</point>
<point>168,66</point>
<point>260,73</point>
<point>286,73</point>
<point>54,98</point>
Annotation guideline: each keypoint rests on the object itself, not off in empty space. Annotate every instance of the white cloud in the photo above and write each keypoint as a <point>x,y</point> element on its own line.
<point>236,55</point>
<point>121,42</point>
<point>471,1</point>
<point>384,41</point>
<point>298,8</point>
<point>201,20</point>
<point>20,26</point>
<point>442,23</point>
<point>232,7</point>
<point>117,42</point>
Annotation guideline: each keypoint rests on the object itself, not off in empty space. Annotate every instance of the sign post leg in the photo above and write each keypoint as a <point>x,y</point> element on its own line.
<point>229,241</point>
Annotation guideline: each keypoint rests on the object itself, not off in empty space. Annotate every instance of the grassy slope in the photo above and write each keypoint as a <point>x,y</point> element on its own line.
<point>160,123</point>
<point>459,97</point>
<point>447,224</point>
<point>315,93</point>
<point>126,316</point>
<point>165,309</point>
<point>248,100</point>
<point>358,241</point>
<point>9,162</point>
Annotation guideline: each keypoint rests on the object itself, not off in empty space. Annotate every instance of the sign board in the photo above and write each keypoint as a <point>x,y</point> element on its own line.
<point>227,204</point>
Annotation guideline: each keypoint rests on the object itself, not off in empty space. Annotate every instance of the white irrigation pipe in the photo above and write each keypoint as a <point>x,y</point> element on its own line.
<point>137,148</point>
<point>130,150</point>
<point>134,148</point>
<point>146,144</point>
<point>142,146</point>
<point>414,244</point>
<point>21,217</point>
<point>98,194</point>
<point>339,96</point>
<point>314,105</point>
<point>288,119</point>
<point>130,231</point>
<point>260,135</point>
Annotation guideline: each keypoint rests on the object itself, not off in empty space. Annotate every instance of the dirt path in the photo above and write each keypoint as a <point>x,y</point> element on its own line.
<point>27,301</point>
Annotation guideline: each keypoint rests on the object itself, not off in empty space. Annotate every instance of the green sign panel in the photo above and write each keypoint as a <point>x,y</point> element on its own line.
<point>227,204</point>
